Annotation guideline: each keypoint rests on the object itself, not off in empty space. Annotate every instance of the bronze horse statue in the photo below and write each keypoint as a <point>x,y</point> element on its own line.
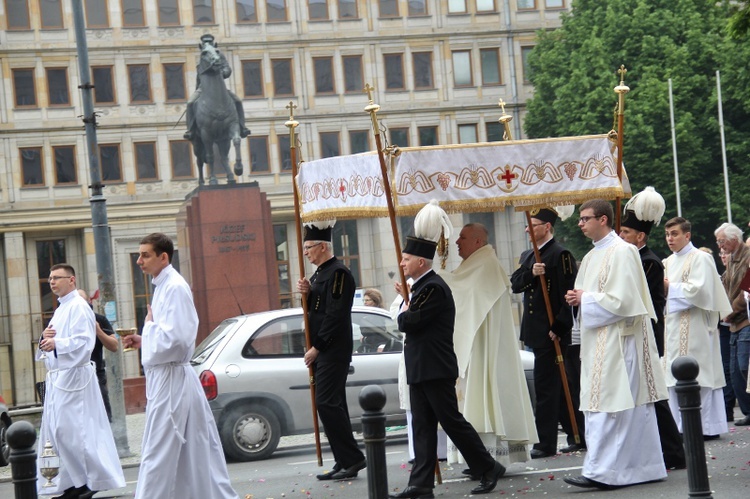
<point>216,119</point>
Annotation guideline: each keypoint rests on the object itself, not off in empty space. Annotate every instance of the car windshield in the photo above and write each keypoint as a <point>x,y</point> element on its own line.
<point>207,346</point>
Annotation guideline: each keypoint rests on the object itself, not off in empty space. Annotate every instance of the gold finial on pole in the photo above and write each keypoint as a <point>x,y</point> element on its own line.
<point>505,119</point>
<point>291,123</point>
<point>372,108</point>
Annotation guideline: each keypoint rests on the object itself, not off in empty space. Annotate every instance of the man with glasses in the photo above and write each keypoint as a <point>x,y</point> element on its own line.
<point>621,377</point>
<point>330,294</point>
<point>729,239</point>
<point>88,455</point>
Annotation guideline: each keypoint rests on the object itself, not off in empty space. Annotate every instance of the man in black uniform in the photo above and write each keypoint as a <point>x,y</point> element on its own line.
<point>635,231</point>
<point>559,267</point>
<point>330,293</point>
<point>431,372</point>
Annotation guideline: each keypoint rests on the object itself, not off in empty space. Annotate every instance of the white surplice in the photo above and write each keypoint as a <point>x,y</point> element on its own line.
<point>182,455</point>
<point>696,300</point>
<point>620,373</point>
<point>492,391</point>
<point>74,420</point>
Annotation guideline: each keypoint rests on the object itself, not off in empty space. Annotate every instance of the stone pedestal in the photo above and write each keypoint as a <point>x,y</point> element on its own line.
<point>227,252</point>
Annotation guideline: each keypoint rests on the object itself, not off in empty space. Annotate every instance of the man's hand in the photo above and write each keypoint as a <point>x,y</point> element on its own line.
<point>131,341</point>
<point>573,297</point>
<point>538,269</point>
<point>553,336</point>
<point>310,356</point>
<point>303,285</point>
<point>48,340</point>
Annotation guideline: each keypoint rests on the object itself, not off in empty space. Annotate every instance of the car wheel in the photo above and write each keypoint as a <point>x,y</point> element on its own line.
<point>4,447</point>
<point>250,433</point>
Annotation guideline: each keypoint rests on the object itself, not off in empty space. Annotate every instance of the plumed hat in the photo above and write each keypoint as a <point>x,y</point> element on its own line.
<point>644,210</point>
<point>432,228</point>
<point>550,215</point>
<point>319,231</point>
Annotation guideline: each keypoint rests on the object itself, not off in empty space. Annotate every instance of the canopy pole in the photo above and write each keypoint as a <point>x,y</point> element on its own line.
<point>620,90</point>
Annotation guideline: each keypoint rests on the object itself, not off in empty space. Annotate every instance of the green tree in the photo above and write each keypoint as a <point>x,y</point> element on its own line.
<point>573,70</point>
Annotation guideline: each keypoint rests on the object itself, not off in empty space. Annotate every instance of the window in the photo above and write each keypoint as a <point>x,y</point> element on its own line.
<point>525,51</point>
<point>246,11</point>
<point>394,71</point>
<point>456,6</point>
<point>348,9</point>
<point>422,70</point>
<point>284,153</point>
<point>462,68</point>
<point>96,14</point>
<point>388,8</point>
<point>132,13</point>
<point>142,291</point>
<point>282,264</point>
<point>318,9</point>
<point>554,4</point>
<point>281,338</point>
<point>169,13</point>
<point>145,161</point>
<point>258,154</point>
<point>252,78</point>
<point>494,132</point>
<point>65,165</point>
<point>104,92</point>
<point>32,168</point>
<point>359,141</point>
<point>174,81</point>
<point>428,135</point>
<point>23,87</point>
<point>282,77</point>
<point>345,244</point>
<point>140,90</point>
<point>329,144</point>
<point>374,334</point>
<point>182,159</point>
<point>57,86</point>
<point>417,8</point>
<point>17,14</point>
<point>203,11</point>
<point>490,59</point>
<point>323,67</point>
<point>400,137</point>
<point>276,10</point>
<point>51,13</point>
<point>48,253</point>
<point>526,4</point>
<point>406,225</point>
<point>109,163</point>
<point>485,5</point>
<point>467,134</point>
<point>353,79</point>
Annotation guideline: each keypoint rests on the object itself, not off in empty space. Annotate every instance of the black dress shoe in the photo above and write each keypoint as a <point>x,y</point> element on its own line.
<point>350,472</point>
<point>539,453</point>
<point>573,448</point>
<point>329,475</point>
<point>587,483</point>
<point>474,476</point>
<point>88,494</point>
<point>489,479</point>
<point>675,464</point>
<point>411,492</point>
<point>74,493</point>
<point>743,422</point>
<point>713,437</point>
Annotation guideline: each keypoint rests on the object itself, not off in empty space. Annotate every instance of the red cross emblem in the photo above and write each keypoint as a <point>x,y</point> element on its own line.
<point>508,176</point>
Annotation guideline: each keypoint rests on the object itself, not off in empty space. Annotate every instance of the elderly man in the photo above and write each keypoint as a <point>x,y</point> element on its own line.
<point>729,239</point>
<point>621,376</point>
<point>492,390</point>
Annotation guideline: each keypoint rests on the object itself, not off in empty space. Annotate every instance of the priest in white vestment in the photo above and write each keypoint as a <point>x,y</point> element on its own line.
<point>74,420</point>
<point>181,454</point>
<point>696,300</point>
<point>620,374</point>
<point>492,391</point>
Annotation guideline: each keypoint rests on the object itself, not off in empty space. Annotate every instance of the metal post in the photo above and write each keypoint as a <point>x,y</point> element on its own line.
<point>372,400</point>
<point>723,146</point>
<point>21,437</point>
<point>686,369</point>
<point>674,151</point>
<point>99,222</point>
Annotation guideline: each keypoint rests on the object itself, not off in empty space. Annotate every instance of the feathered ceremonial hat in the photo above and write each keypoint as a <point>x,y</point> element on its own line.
<point>432,228</point>
<point>644,210</point>
<point>550,215</point>
<point>319,231</point>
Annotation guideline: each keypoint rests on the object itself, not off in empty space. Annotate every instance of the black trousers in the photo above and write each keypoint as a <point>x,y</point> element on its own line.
<point>671,440</point>
<point>330,397</point>
<point>572,358</point>
<point>434,402</point>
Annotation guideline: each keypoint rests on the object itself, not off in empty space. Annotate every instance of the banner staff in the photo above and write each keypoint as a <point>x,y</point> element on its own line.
<point>292,124</point>
<point>620,90</point>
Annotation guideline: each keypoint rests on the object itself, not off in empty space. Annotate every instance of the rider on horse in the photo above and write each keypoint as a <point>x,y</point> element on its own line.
<point>226,71</point>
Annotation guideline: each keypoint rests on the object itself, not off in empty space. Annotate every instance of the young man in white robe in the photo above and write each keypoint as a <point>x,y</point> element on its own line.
<point>74,420</point>
<point>695,302</point>
<point>620,374</point>
<point>181,452</point>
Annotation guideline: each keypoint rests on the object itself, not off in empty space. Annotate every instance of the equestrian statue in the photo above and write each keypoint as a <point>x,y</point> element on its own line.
<point>215,116</point>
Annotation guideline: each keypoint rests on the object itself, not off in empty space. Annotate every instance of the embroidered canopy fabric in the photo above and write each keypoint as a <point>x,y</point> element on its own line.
<point>463,178</point>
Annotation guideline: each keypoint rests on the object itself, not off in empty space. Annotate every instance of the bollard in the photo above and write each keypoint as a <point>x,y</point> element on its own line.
<point>685,369</point>
<point>21,437</point>
<point>372,400</point>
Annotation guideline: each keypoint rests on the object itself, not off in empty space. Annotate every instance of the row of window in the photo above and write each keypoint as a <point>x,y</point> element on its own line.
<point>254,77</point>
<point>247,11</point>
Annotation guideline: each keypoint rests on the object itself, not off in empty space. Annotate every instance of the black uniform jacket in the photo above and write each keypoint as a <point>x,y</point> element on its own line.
<point>560,273</point>
<point>329,305</point>
<point>428,324</point>
<point>654,270</point>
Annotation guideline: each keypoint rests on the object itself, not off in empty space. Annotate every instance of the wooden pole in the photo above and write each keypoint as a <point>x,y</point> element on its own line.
<point>292,124</point>
<point>620,90</point>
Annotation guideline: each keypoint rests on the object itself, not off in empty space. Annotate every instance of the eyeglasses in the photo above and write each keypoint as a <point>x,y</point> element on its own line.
<point>583,220</point>
<point>54,278</point>
<point>536,225</point>
<point>308,248</point>
<point>721,242</point>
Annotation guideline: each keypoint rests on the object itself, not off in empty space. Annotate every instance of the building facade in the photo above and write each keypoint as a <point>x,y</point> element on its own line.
<point>438,67</point>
